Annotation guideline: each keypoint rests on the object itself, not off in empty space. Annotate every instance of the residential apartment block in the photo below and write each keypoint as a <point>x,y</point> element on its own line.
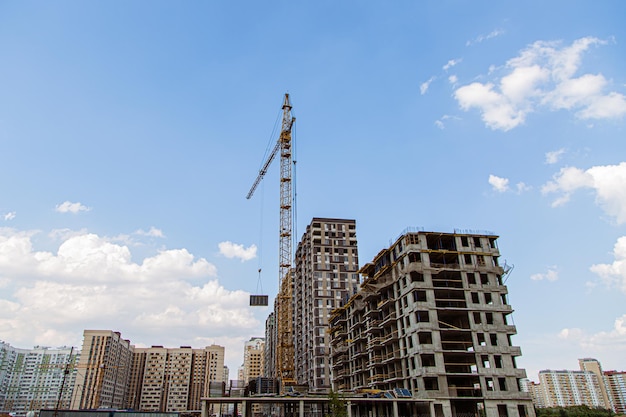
<point>174,379</point>
<point>112,373</point>
<point>35,379</point>
<point>432,321</point>
<point>103,371</point>
<point>615,383</point>
<point>253,363</point>
<point>588,386</point>
<point>568,388</point>
<point>325,276</point>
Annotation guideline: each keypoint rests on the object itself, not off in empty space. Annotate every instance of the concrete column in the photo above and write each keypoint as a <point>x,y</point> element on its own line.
<point>204,412</point>
<point>348,404</point>
<point>301,403</point>
<point>395,409</point>
<point>244,409</point>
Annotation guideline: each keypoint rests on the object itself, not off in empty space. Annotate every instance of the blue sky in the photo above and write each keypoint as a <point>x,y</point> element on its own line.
<point>131,133</point>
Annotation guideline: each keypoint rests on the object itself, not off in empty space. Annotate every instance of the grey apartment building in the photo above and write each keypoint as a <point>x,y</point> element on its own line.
<point>326,265</point>
<point>432,320</point>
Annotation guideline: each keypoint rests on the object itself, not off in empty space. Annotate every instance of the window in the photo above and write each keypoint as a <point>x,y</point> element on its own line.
<point>431,383</point>
<point>498,361</point>
<point>488,298</point>
<point>471,278</point>
<point>464,241</point>
<point>494,339</point>
<point>489,383</point>
<point>422,316</point>
<point>427,359</point>
<point>475,298</point>
<point>481,339</point>
<point>468,259</point>
<point>419,296</point>
<point>477,318</point>
<point>485,361</point>
<point>416,277</point>
<point>425,338</point>
<point>484,279</point>
<point>502,411</point>
<point>489,317</point>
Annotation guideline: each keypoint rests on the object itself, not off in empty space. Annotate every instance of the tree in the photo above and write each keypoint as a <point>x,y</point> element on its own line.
<point>337,405</point>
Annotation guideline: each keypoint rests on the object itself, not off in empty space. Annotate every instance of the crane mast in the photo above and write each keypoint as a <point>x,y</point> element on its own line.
<point>284,365</point>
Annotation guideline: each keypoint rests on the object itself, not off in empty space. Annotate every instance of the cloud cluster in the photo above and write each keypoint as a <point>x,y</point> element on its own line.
<point>69,207</point>
<point>480,38</point>
<point>544,75</point>
<point>603,343</point>
<point>551,275</point>
<point>607,181</point>
<point>614,274</point>
<point>90,282</point>
<point>501,185</point>
<point>234,250</point>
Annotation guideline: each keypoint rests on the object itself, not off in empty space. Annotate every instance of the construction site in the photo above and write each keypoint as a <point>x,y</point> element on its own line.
<point>423,329</point>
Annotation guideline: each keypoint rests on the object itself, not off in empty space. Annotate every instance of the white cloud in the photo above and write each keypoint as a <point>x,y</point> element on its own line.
<point>613,275</point>
<point>542,76</point>
<point>499,184</point>
<point>440,123</point>
<point>554,156</point>
<point>608,182</point>
<point>9,216</point>
<point>153,232</point>
<point>426,84</point>
<point>453,79</point>
<point>522,187</point>
<point>69,207</point>
<point>551,275</point>
<point>451,63</point>
<point>234,250</point>
<point>89,282</point>
<point>604,343</point>
<point>481,38</point>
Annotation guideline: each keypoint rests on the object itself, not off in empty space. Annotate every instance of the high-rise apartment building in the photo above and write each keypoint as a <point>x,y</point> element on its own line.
<point>35,379</point>
<point>431,321</point>
<point>593,365</point>
<point>569,388</point>
<point>174,379</point>
<point>114,374</point>
<point>325,275</point>
<point>253,362</point>
<point>103,371</point>
<point>615,383</point>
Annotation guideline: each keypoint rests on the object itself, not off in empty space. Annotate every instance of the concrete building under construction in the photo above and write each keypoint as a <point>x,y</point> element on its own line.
<point>432,320</point>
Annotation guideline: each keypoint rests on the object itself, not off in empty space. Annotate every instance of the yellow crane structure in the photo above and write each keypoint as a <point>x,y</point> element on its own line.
<point>283,304</point>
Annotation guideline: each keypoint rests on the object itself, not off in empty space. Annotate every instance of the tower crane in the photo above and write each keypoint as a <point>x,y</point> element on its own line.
<point>283,304</point>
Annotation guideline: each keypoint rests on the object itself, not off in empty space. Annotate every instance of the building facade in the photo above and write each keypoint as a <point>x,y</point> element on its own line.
<point>103,371</point>
<point>253,359</point>
<point>432,320</point>
<point>35,379</point>
<point>615,383</point>
<point>325,276</point>
<point>565,388</point>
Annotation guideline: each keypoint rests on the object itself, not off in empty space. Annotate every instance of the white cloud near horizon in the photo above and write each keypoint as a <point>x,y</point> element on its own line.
<point>9,216</point>
<point>613,275</point>
<point>608,182</point>
<point>552,274</point>
<point>50,297</point>
<point>234,250</point>
<point>542,76</point>
<point>153,232</point>
<point>69,207</point>
<point>499,184</point>
<point>601,344</point>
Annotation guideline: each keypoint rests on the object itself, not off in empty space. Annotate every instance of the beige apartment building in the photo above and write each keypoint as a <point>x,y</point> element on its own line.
<point>253,362</point>
<point>103,371</point>
<point>114,374</point>
<point>431,322</point>
<point>564,388</point>
<point>325,276</point>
